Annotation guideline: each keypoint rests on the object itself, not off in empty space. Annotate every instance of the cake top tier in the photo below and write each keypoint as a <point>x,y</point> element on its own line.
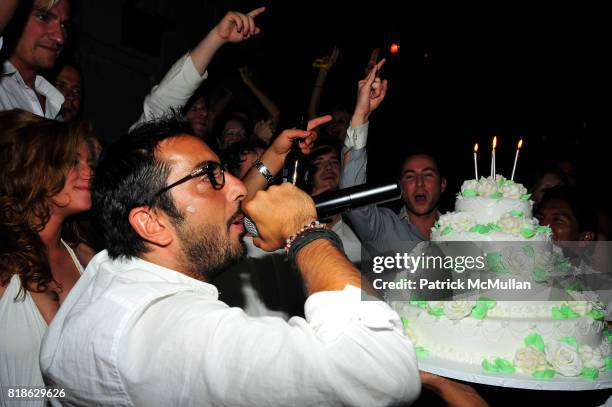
<point>491,209</point>
<point>487,199</point>
<point>497,188</point>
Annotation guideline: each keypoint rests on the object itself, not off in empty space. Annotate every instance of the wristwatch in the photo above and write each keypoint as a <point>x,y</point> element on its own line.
<point>263,170</point>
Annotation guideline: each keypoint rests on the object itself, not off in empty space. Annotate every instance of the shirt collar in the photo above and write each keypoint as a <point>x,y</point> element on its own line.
<point>54,98</point>
<point>403,214</point>
<point>151,272</point>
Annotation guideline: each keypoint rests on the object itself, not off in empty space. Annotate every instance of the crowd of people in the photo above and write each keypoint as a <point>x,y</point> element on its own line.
<point>138,286</point>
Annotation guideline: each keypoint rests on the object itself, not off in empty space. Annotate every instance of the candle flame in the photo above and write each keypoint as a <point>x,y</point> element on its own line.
<point>494,141</point>
<point>476,147</point>
<point>520,143</point>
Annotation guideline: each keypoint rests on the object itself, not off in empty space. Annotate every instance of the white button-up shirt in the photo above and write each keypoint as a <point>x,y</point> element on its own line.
<point>178,85</point>
<point>15,94</point>
<point>132,333</point>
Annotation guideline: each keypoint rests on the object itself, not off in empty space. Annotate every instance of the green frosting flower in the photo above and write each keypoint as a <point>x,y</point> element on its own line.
<point>608,334</point>
<point>470,192</point>
<point>494,227</point>
<point>482,306</point>
<point>543,229</point>
<point>525,197</point>
<point>421,352</point>
<point>482,229</point>
<point>539,275</point>
<point>527,233</point>
<point>436,312</point>
<point>498,366</point>
<point>496,195</point>
<point>562,264</point>
<point>494,263</point>
<point>404,322</point>
<point>535,340</point>
<point>418,303</point>
<point>563,312</point>
<point>570,340</point>
<point>596,314</point>
<point>544,374</point>
<point>516,214</point>
<point>589,373</point>
<point>447,230</point>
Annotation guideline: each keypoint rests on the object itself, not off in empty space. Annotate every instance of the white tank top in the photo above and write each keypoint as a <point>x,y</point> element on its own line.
<point>21,330</point>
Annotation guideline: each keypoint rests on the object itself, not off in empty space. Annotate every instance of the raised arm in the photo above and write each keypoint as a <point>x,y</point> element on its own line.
<point>371,221</point>
<point>324,65</point>
<point>270,107</point>
<point>274,157</point>
<point>187,74</point>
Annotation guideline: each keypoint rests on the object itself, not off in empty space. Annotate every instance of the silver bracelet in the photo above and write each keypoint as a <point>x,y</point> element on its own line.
<point>263,170</point>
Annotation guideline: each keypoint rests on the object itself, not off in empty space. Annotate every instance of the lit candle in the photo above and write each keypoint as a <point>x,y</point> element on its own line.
<point>476,160</point>
<point>518,148</point>
<point>493,158</point>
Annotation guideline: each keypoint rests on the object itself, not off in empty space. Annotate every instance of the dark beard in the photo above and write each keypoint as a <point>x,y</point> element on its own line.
<point>207,251</point>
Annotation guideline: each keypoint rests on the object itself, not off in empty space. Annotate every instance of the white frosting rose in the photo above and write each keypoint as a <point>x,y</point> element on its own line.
<point>487,187</point>
<point>469,184</point>
<point>591,357</point>
<point>529,360</point>
<point>516,261</point>
<point>461,221</point>
<point>544,259</point>
<point>445,220</point>
<point>580,307</point>
<point>510,224</point>
<point>514,191</point>
<point>564,358</point>
<point>435,304</point>
<point>458,309</point>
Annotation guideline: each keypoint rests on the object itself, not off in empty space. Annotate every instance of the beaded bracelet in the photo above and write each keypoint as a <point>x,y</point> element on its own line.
<point>307,234</point>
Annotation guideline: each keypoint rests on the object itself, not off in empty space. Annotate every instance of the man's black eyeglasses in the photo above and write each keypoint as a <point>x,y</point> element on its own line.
<point>213,170</point>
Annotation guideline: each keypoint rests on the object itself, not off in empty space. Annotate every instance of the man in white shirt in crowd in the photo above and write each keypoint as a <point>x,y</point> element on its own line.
<point>33,45</point>
<point>144,327</point>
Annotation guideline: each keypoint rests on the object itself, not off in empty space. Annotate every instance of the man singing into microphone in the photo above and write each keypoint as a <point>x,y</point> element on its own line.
<point>143,326</point>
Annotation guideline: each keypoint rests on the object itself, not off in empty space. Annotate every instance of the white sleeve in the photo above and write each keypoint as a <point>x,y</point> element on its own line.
<point>175,89</point>
<point>356,137</point>
<point>347,352</point>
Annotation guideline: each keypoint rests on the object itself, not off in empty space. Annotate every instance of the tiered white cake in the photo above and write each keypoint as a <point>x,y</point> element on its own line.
<point>542,339</point>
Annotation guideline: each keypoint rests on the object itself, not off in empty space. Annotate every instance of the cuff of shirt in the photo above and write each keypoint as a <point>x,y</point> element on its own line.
<point>191,72</point>
<point>329,313</point>
<point>356,138</point>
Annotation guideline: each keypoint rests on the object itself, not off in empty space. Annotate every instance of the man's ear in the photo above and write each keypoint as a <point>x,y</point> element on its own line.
<point>151,227</point>
<point>587,236</point>
<point>442,184</point>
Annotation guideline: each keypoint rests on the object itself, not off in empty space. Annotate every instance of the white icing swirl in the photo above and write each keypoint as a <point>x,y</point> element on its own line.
<point>458,309</point>
<point>591,357</point>
<point>513,190</point>
<point>516,261</point>
<point>486,187</point>
<point>564,358</point>
<point>470,184</point>
<point>580,307</point>
<point>510,224</point>
<point>529,360</point>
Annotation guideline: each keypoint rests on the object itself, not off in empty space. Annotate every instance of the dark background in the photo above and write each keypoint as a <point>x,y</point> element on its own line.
<point>462,74</point>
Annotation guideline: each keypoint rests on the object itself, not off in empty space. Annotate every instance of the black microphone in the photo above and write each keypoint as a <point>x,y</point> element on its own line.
<point>335,202</point>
